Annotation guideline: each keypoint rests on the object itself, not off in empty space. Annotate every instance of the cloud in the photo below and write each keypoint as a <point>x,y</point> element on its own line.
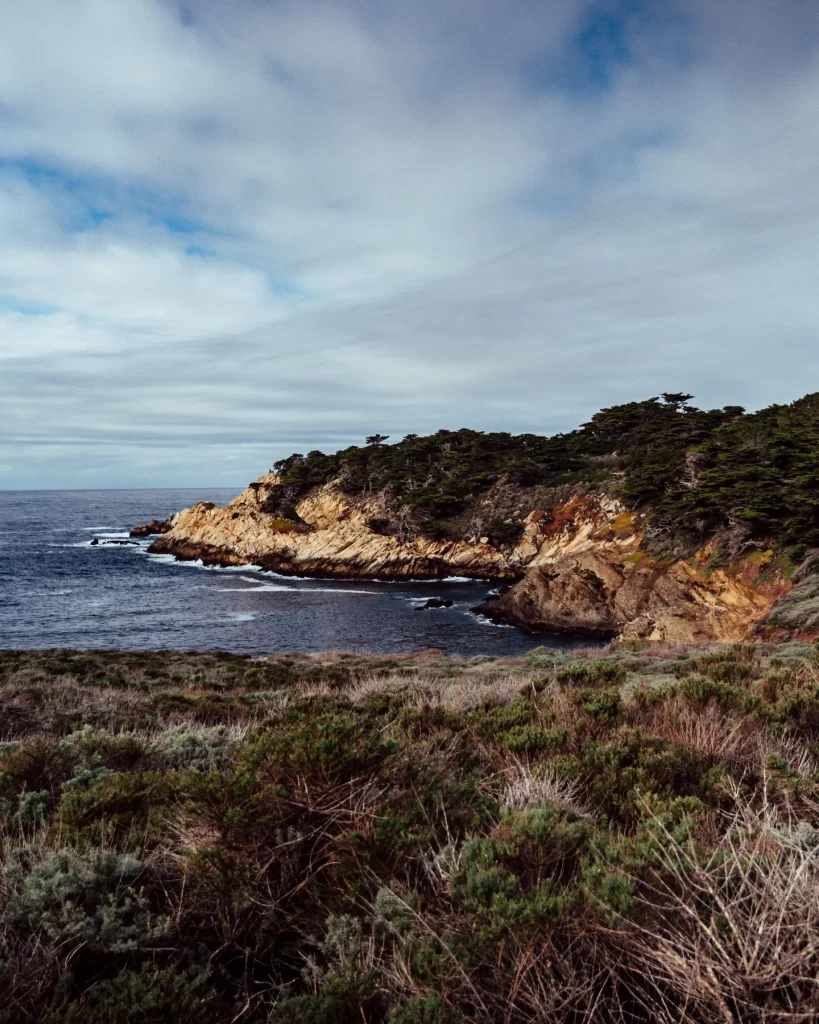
<point>231,231</point>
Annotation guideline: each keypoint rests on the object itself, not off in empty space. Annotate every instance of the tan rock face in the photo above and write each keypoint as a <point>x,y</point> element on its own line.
<point>581,563</point>
<point>338,543</point>
<point>600,592</point>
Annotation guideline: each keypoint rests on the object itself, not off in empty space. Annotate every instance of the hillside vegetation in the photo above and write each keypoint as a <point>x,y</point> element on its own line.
<point>620,835</point>
<point>751,476</point>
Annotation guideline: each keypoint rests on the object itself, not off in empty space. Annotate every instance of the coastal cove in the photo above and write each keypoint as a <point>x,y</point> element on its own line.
<point>60,589</point>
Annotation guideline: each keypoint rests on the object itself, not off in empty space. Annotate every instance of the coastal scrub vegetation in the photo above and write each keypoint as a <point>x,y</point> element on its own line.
<point>628,834</point>
<point>697,471</point>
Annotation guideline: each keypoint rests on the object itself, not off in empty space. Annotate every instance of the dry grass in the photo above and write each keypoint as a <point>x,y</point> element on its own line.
<point>496,839</point>
<point>735,936</point>
<point>721,737</point>
<point>525,786</point>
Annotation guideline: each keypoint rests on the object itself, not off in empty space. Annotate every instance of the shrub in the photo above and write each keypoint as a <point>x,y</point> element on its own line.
<point>39,763</point>
<point>424,1010</point>
<point>698,691</point>
<point>120,808</point>
<point>592,673</point>
<point>503,533</point>
<point>75,899</point>
<point>183,746</point>
<point>344,990</point>
<point>34,808</point>
<point>329,747</point>
<point>341,999</point>
<point>149,996</point>
<point>602,706</point>
<point>492,720</point>
<point>408,853</point>
<point>734,667</point>
<point>617,774</point>
<point>120,752</point>
<point>528,739</point>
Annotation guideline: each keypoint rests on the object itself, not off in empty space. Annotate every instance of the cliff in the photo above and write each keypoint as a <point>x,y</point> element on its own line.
<point>578,566</point>
<point>329,534</point>
<point>653,520</point>
<point>632,597</point>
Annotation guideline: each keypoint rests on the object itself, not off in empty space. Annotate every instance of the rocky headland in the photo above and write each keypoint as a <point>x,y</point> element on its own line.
<point>628,527</point>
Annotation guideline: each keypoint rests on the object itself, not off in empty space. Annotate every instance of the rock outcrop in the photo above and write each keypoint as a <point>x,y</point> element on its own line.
<point>329,536</point>
<point>579,566</point>
<point>599,593</point>
<point>153,528</point>
<point>796,613</point>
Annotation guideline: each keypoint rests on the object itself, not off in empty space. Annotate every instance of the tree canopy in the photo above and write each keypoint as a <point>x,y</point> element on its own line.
<point>695,470</point>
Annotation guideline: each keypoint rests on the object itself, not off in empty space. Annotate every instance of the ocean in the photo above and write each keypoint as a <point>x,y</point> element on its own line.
<point>58,589</point>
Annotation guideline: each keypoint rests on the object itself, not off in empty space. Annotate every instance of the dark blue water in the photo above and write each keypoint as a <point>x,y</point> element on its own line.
<point>59,590</point>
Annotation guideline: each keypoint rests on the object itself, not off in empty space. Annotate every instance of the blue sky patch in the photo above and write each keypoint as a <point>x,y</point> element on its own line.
<point>10,304</point>
<point>84,201</point>
<point>602,45</point>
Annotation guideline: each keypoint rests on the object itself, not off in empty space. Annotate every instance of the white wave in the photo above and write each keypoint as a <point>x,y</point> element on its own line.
<point>242,616</point>
<point>342,579</point>
<point>261,585</point>
<point>244,590</point>
<point>337,590</point>
<point>482,619</point>
<point>112,536</point>
<point>280,575</point>
<point>93,529</point>
<point>197,563</point>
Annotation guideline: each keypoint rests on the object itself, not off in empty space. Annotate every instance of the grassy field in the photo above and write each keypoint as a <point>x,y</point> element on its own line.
<point>618,835</point>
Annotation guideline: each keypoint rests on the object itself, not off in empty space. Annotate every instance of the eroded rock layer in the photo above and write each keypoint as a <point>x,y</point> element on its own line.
<point>601,593</point>
<point>579,565</point>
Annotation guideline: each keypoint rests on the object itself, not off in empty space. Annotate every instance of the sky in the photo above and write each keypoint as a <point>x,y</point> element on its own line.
<point>231,231</point>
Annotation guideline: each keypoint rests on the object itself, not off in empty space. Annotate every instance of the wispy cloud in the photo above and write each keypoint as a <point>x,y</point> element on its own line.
<point>232,230</point>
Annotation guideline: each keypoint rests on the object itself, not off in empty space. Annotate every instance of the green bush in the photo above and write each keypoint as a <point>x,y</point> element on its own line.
<point>330,747</point>
<point>529,739</point>
<point>602,706</point>
<point>38,763</point>
<point>75,899</point>
<point>149,996</point>
<point>492,720</point>
<point>34,809</point>
<point>118,808</point>
<point>592,673</point>
<point>341,1000</point>
<point>202,748</point>
<point>423,1010</point>
<point>698,691</point>
<point>620,773</point>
